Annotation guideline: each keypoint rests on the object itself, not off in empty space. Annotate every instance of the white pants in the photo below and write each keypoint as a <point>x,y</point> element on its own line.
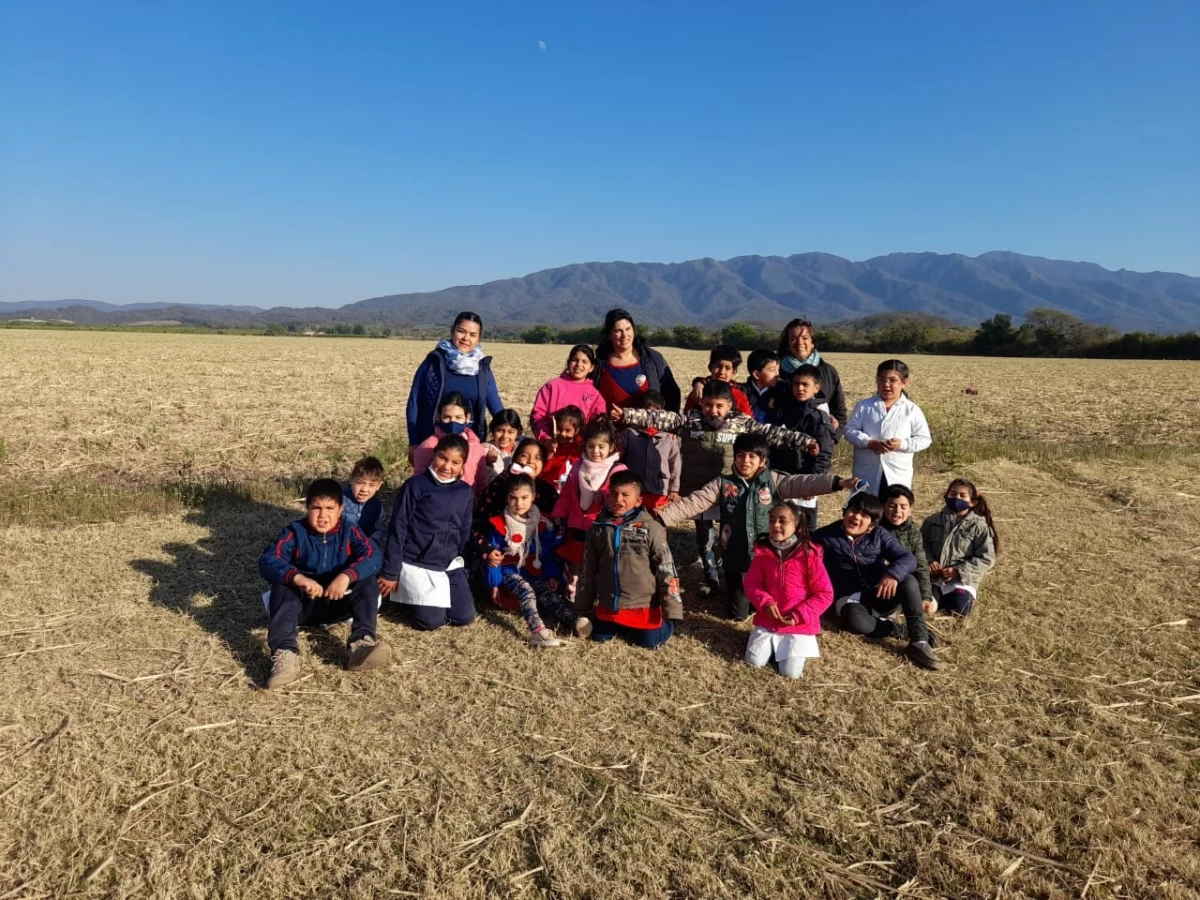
<point>790,650</point>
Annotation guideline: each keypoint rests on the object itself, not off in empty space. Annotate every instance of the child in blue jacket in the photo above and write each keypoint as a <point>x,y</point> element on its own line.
<point>361,505</point>
<point>318,568</point>
<point>521,561</point>
<point>872,576</point>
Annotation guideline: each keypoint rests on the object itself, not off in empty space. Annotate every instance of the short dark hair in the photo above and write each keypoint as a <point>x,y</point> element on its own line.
<point>867,504</point>
<point>323,489</point>
<point>367,467</point>
<point>807,371</point>
<point>725,353</point>
<point>571,413</point>
<point>718,390</point>
<point>751,443</point>
<point>507,417</point>
<point>899,490</point>
<point>653,400</point>
<point>623,478</point>
<point>759,359</point>
<point>454,398</point>
<point>520,481</point>
<point>454,442</point>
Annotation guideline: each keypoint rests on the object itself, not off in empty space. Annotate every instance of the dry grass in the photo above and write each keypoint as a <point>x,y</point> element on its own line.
<point>1057,756</point>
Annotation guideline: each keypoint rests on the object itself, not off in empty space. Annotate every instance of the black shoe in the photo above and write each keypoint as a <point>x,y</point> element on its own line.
<point>922,655</point>
<point>709,587</point>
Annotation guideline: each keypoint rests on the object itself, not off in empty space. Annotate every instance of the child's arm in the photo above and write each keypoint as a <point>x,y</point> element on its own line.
<point>824,436</point>
<point>801,487</point>
<point>922,573</point>
<point>919,439</point>
<point>741,402</point>
<point>776,435</point>
<point>981,560</point>
<point>365,560</point>
<point>275,564</point>
<point>854,428</point>
<point>694,504</point>
<point>661,419</point>
<point>664,572</point>
<point>903,562</point>
<point>541,419</point>
<point>755,586</point>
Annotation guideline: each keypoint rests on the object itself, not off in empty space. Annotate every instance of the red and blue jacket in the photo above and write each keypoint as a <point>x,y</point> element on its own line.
<point>544,565</point>
<point>301,551</point>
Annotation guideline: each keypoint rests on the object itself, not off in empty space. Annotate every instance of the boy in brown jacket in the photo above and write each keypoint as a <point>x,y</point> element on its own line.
<point>627,581</point>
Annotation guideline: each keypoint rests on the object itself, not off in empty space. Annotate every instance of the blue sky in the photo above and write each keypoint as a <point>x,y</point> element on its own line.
<point>304,153</point>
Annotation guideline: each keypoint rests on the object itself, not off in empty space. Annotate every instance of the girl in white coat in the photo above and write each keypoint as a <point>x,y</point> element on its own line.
<point>887,430</point>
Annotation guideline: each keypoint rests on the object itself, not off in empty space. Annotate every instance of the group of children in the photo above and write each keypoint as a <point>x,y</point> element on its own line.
<point>567,525</point>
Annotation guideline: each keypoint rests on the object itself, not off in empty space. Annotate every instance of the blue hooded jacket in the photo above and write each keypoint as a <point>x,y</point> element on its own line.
<point>858,564</point>
<point>427,388</point>
<point>301,551</point>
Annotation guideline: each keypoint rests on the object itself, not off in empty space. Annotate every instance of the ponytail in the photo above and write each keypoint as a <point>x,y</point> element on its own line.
<point>981,508</point>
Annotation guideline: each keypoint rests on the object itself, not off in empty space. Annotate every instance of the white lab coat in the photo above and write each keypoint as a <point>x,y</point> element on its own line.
<point>870,421</point>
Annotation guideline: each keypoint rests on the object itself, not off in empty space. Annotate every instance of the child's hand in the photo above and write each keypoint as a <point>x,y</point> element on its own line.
<point>494,558</point>
<point>949,573</point>
<point>934,567</point>
<point>552,583</point>
<point>879,446</point>
<point>615,413</point>
<point>930,607</point>
<point>887,588</point>
<point>813,448</point>
<point>697,392</point>
<point>338,587</point>
<point>852,483</point>
<point>386,586</point>
<point>673,497</point>
<point>893,443</point>
<point>493,454</point>
<point>308,586</point>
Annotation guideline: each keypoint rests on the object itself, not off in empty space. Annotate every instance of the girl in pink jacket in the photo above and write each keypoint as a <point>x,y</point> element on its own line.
<point>573,387</point>
<point>789,588</point>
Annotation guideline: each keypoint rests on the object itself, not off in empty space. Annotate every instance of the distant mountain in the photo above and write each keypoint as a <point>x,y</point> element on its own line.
<point>765,290</point>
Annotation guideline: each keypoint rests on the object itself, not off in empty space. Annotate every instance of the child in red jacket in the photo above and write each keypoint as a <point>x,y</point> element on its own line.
<point>789,589</point>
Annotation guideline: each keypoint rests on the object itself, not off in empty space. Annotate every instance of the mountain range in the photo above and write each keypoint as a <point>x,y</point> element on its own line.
<point>766,290</point>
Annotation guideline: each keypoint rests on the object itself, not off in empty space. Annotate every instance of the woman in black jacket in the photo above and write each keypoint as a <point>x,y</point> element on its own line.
<point>626,368</point>
<point>797,347</point>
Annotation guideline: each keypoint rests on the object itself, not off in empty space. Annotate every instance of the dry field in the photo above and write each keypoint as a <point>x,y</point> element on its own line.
<point>1057,755</point>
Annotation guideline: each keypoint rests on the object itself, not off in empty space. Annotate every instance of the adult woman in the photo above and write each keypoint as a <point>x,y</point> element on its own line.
<point>796,348</point>
<point>626,368</point>
<point>456,364</point>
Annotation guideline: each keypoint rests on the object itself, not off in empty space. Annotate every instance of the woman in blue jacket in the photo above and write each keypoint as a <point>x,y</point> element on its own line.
<point>456,364</point>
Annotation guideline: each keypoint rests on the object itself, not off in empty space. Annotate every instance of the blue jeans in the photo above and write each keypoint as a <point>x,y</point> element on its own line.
<point>648,638</point>
<point>706,545</point>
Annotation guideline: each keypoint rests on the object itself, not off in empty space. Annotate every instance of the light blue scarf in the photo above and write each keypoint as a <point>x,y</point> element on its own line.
<point>461,363</point>
<point>790,364</point>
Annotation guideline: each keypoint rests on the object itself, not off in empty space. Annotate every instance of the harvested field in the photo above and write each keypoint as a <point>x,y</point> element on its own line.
<point>1058,755</point>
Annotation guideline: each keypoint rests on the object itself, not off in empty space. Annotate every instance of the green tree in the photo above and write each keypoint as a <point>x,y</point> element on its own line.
<point>539,334</point>
<point>741,336</point>
<point>690,336</point>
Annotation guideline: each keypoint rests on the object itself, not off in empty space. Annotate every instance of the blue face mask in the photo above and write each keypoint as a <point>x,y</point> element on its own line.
<point>958,504</point>
<point>454,427</point>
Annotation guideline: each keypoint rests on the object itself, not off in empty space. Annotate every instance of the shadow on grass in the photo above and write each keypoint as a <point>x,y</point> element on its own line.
<point>215,580</point>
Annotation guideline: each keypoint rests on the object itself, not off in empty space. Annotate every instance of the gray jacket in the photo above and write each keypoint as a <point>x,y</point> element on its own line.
<point>655,457</point>
<point>965,544</point>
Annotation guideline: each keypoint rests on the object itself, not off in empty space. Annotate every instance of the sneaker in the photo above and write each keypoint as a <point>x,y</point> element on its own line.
<point>544,637</point>
<point>709,587</point>
<point>922,655</point>
<point>368,653</point>
<point>583,627</point>
<point>901,632</point>
<point>285,668</point>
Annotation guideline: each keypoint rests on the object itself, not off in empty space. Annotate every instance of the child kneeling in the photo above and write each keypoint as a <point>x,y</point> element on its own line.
<point>789,588</point>
<point>319,568</point>
<point>627,579</point>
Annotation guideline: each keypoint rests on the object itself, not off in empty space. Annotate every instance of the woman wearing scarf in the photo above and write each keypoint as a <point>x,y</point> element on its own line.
<point>626,368</point>
<point>456,364</point>
<point>796,348</point>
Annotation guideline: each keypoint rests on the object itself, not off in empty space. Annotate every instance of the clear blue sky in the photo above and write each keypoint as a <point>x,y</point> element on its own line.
<point>305,153</point>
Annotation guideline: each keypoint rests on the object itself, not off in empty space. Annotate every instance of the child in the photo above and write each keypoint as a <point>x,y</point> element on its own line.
<point>743,498</point>
<point>318,568</point>
<point>627,580</point>
<point>528,459</point>
<point>430,525</point>
<point>573,387</point>
<point>789,589</point>
<point>759,387</point>
<point>521,562</point>
<point>583,496</point>
<point>887,429</point>
<point>707,435</point>
<point>567,446</point>
<point>454,418</point>
<point>360,505</point>
<point>962,545</point>
<point>898,505</point>
<point>505,433</point>
<point>805,411</point>
<point>723,363</point>
<point>872,578</point>
<point>654,456</point>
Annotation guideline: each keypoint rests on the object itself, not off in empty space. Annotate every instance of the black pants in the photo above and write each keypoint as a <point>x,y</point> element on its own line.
<point>868,617</point>
<point>290,608</point>
<point>739,606</point>
<point>461,611</point>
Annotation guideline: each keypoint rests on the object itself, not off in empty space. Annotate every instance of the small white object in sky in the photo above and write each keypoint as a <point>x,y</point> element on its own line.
<point>542,46</point>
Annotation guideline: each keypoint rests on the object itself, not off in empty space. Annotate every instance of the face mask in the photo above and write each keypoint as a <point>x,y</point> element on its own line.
<point>454,427</point>
<point>958,504</point>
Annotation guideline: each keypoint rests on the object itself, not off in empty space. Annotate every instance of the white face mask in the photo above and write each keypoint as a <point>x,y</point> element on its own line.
<point>440,480</point>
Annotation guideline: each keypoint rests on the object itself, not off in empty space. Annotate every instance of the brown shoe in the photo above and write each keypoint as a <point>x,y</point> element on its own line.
<point>285,668</point>
<point>368,653</point>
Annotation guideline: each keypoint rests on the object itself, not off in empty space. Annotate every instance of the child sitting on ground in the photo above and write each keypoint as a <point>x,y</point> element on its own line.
<point>962,545</point>
<point>505,434</point>
<point>583,496</point>
<point>723,363</point>
<point>627,580</point>
<point>743,498</point>
<point>898,504</point>
<point>872,577</point>
<point>574,387</point>
<point>759,388</point>
<point>655,457</point>
<point>520,561</point>
<point>566,446</point>
<point>429,529</point>
<point>360,505</point>
<point>805,411</point>
<point>454,417</point>
<point>707,435</point>
<point>789,589</point>
<point>319,568</point>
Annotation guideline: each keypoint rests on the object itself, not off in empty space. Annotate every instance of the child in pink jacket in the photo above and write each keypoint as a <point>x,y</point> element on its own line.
<point>573,387</point>
<point>789,588</point>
